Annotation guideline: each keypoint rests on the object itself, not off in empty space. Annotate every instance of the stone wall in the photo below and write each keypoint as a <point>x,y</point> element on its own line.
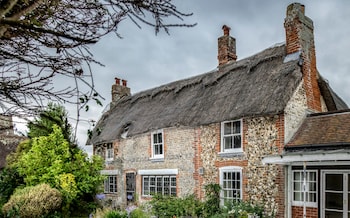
<point>179,145</point>
<point>195,152</point>
<point>260,138</point>
<point>295,112</point>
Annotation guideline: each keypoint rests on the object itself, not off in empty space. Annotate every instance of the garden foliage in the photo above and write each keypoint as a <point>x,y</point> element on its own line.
<point>33,201</point>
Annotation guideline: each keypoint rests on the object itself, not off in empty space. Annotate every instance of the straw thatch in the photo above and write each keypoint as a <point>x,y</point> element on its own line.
<point>259,85</point>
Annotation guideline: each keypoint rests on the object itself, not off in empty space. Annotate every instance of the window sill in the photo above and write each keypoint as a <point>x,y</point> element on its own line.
<point>307,204</point>
<point>231,154</point>
<point>157,159</point>
<point>108,161</point>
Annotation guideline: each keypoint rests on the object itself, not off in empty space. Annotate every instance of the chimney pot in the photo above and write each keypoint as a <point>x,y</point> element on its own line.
<point>124,82</point>
<point>226,30</point>
<point>117,80</point>
<point>119,90</point>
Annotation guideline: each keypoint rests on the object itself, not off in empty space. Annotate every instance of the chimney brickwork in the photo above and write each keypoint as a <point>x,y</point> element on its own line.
<point>300,38</point>
<point>226,47</point>
<point>119,90</point>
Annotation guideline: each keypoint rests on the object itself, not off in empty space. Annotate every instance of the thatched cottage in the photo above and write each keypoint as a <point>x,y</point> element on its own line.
<point>236,126</point>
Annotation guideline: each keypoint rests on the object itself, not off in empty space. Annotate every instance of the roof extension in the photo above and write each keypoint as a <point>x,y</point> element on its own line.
<point>330,130</point>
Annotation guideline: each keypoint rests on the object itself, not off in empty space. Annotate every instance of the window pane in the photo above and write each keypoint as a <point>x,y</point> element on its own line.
<point>297,176</point>
<point>312,176</point>
<point>297,196</point>
<point>145,186</point>
<point>237,141</point>
<point>297,186</point>
<point>334,201</point>
<point>237,127</point>
<point>155,139</point>
<point>160,140</point>
<point>334,182</point>
<point>228,142</point>
<point>227,128</point>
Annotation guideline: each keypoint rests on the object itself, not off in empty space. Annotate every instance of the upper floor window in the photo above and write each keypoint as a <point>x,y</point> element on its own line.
<point>231,136</point>
<point>157,144</point>
<point>109,152</point>
<point>231,183</point>
<point>305,181</point>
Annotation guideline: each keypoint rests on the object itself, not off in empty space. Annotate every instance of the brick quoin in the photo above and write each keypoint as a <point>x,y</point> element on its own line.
<point>198,163</point>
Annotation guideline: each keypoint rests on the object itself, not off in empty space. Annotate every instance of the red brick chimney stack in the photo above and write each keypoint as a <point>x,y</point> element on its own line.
<point>226,47</point>
<point>300,38</point>
<point>119,90</point>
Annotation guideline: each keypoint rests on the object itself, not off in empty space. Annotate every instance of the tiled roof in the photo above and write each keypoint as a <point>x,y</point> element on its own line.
<point>324,131</point>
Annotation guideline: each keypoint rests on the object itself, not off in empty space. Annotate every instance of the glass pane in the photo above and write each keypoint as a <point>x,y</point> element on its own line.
<point>312,197</point>
<point>237,141</point>
<point>237,127</point>
<point>155,140</point>
<point>297,186</point>
<point>333,214</point>
<point>312,176</point>
<point>228,142</point>
<point>224,184</point>
<point>312,186</point>
<point>334,182</point>
<point>334,201</point>
<point>298,196</point>
<point>297,176</point>
<point>160,140</point>
<point>227,128</point>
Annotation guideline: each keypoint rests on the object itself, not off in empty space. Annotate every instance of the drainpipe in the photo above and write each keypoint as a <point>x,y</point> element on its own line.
<point>304,189</point>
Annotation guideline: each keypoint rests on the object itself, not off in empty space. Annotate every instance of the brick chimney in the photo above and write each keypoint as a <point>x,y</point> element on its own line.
<point>119,90</point>
<point>226,47</point>
<point>300,39</point>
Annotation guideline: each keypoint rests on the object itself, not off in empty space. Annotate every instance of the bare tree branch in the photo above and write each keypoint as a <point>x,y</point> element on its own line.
<point>42,41</point>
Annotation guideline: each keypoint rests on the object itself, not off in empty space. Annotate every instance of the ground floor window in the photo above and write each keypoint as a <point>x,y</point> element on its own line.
<point>111,184</point>
<point>163,185</point>
<point>231,183</point>
<point>305,190</point>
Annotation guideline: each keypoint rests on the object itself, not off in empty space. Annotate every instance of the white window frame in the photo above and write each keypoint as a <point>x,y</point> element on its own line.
<point>109,152</point>
<point>233,150</point>
<point>308,191</point>
<point>230,169</point>
<point>159,184</point>
<point>110,184</point>
<point>153,144</point>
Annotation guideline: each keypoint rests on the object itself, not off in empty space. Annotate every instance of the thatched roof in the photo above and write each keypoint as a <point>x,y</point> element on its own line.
<point>258,85</point>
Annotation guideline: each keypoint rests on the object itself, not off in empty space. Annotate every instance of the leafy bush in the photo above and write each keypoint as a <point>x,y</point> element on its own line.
<point>138,213</point>
<point>9,180</point>
<point>168,206</point>
<point>241,209</point>
<point>116,214</point>
<point>35,201</point>
<point>212,203</point>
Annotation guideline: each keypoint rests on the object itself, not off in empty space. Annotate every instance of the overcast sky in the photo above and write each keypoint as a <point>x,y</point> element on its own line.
<point>147,61</point>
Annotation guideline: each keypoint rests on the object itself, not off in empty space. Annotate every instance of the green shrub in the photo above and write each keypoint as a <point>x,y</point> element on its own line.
<point>212,203</point>
<point>116,214</point>
<point>35,201</point>
<point>168,206</point>
<point>138,213</point>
